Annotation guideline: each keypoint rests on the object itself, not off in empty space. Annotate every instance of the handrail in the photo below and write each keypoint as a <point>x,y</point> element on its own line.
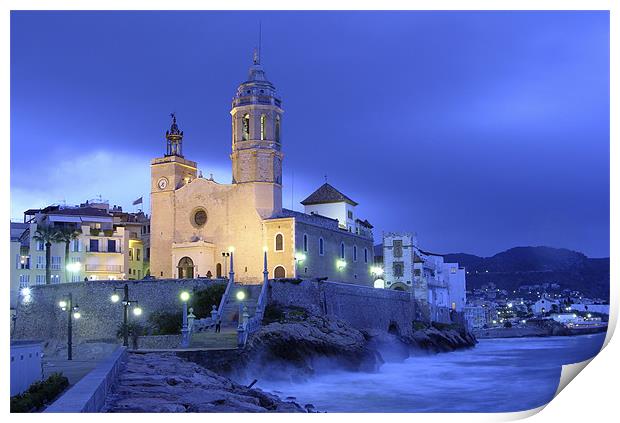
<point>224,298</point>
<point>262,302</point>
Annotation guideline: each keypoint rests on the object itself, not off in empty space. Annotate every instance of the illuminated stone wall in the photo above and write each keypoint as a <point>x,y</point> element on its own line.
<point>362,307</point>
<point>41,318</point>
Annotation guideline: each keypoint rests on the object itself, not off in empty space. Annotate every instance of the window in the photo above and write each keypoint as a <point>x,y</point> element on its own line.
<point>148,253</point>
<point>75,245</point>
<point>55,263</point>
<point>40,279</point>
<point>94,245</point>
<point>321,247</point>
<point>40,262</point>
<point>397,268</point>
<point>277,128</point>
<point>416,272</point>
<point>398,247</point>
<point>137,254</point>
<point>24,281</point>
<point>263,121</point>
<point>342,250</point>
<point>349,214</point>
<point>365,255</point>
<point>75,277</point>
<point>279,242</point>
<point>40,246</point>
<point>22,262</point>
<point>305,243</point>
<point>453,270</point>
<point>199,218</point>
<point>55,278</point>
<point>131,254</point>
<point>355,253</point>
<point>245,127</point>
<point>112,246</point>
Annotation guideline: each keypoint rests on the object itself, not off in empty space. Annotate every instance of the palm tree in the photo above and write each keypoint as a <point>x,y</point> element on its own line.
<point>66,235</point>
<point>47,235</point>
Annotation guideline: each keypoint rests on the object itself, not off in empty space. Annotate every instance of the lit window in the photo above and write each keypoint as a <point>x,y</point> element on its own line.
<point>279,242</point>
<point>263,121</point>
<point>246,127</point>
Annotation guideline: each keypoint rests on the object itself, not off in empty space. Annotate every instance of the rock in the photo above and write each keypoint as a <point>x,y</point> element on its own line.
<point>163,382</point>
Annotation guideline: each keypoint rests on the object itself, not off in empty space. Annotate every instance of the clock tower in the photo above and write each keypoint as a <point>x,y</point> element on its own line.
<point>168,173</point>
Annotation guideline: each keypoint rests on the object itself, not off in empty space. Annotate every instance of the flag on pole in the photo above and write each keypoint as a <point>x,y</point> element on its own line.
<point>138,201</point>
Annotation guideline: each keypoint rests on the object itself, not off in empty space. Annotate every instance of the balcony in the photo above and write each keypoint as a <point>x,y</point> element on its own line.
<point>108,268</point>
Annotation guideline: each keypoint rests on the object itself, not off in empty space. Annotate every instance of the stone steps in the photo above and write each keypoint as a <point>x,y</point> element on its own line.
<point>226,339</point>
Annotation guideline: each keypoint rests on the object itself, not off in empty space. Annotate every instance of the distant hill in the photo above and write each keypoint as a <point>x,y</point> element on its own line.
<point>536,265</point>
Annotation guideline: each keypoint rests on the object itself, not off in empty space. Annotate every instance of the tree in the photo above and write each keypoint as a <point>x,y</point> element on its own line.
<point>66,235</point>
<point>47,235</point>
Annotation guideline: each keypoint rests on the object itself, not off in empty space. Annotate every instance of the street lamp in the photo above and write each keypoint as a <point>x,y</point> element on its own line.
<point>225,255</point>
<point>137,311</point>
<point>184,296</point>
<point>240,295</point>
<point>341,264</point>
<point>72,313</point>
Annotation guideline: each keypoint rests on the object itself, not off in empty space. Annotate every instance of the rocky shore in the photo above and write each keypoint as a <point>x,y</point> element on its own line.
<point>164,382</point>
<point>300,345</point>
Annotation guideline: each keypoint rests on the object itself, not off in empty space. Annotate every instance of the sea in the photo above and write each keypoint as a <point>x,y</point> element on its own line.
<point>497,375</point>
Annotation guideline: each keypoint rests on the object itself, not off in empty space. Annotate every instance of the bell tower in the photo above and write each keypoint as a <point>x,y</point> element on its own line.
<point>257,130</point>
<point>168,174</point>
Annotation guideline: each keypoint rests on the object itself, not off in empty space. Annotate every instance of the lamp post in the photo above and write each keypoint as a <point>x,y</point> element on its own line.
<point>225,254</point>
<point>184,296</point>
<point>126,304</point>
<point>72,313</point>
<point>240,297</point>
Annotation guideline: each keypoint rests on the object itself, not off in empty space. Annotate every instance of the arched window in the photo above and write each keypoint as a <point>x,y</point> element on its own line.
<point>218,270</point>
<point>279,242</point>
<point>355,253</point>
<point>321,247</point>
<point>305,243</point>
<point>365,255</point>
<point>263,122</point>
<point>342,250</point>
<point>277,131</point>
<point>279,272</point>
<point>246,127</point>
<point>186,268</point>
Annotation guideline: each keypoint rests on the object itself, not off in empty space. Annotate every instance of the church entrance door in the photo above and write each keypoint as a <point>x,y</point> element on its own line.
<point>186,268</point>
<point>279,272</point>
<point>218,270</point>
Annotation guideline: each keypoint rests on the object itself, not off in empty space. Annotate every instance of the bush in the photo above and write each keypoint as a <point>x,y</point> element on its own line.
<point>273,313</point>
<point>417,325</point>
<point>39,394</point>
<point>294,281</point>
<point>507,325</point>
<point>164,323</point>
<point>203,300</point>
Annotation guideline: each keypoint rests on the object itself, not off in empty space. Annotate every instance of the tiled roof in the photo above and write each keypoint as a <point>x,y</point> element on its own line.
<point>327,194</point>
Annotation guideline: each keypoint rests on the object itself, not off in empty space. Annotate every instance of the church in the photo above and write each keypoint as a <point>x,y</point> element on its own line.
<point>198,223</point>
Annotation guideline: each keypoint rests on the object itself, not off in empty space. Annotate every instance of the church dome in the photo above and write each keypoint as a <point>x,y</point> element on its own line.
<point>257,89</point>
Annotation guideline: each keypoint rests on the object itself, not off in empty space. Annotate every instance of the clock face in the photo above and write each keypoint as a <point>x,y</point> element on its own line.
<point>162,183</point>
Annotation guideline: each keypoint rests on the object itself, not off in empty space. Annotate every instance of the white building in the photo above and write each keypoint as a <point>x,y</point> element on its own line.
<point>545,305</point>
<point>430,279</point>
<point>26,366</point>
<point>476,316</point>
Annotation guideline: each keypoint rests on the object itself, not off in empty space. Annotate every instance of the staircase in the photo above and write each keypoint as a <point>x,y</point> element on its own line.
<point>230,311</point>
<point>225,340</point>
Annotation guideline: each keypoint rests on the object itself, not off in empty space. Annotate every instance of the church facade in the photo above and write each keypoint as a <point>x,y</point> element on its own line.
<point>197,223</point>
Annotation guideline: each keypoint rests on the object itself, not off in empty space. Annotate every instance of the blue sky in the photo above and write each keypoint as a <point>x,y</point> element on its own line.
<point>480,131</point>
